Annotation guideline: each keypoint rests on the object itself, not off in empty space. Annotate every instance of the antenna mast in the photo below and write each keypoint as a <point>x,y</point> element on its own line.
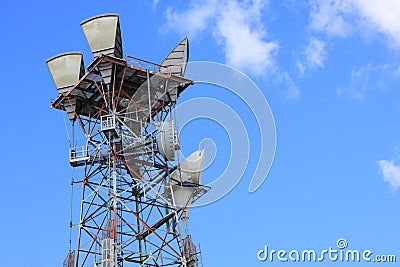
<point>135,195</point>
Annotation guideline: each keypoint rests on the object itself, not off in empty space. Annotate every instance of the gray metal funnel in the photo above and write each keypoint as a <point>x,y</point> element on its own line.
<point>175,64</point>
<point>103,34</point>
<point>67,69</point>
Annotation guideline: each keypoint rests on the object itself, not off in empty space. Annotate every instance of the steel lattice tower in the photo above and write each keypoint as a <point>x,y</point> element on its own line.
<point>135,195</point>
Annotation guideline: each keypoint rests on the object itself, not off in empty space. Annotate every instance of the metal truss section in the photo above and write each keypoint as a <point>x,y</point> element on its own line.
<point>126,191</point>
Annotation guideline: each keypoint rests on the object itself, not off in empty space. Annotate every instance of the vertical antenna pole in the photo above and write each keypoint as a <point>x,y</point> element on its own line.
<point>148,91</point>
<point>115,191</point>
<point>72,190</point>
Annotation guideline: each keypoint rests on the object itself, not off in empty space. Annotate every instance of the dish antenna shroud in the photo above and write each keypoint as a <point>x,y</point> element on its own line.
<point>167,140</point>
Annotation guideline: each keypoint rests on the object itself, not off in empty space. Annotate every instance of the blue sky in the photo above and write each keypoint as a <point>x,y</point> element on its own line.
<point>330,71</point>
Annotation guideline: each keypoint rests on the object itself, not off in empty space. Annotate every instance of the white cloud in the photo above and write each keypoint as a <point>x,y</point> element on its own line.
<point>384,16</point>
<point>240,31</point>
<point>368,18</point>
<point>370,77</point>
<point>293,92</point>
<point>358,84</point>
<point>328,16</point>
<point>301,68</point>
<point>195,19</point>
<point>390,172</point>
<point>236,26</point>
<point>313,56</point>
<point>315,52</point>
<point>340,18</point>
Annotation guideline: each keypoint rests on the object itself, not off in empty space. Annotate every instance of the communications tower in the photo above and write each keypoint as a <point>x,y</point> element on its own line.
<point>135,193</point>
